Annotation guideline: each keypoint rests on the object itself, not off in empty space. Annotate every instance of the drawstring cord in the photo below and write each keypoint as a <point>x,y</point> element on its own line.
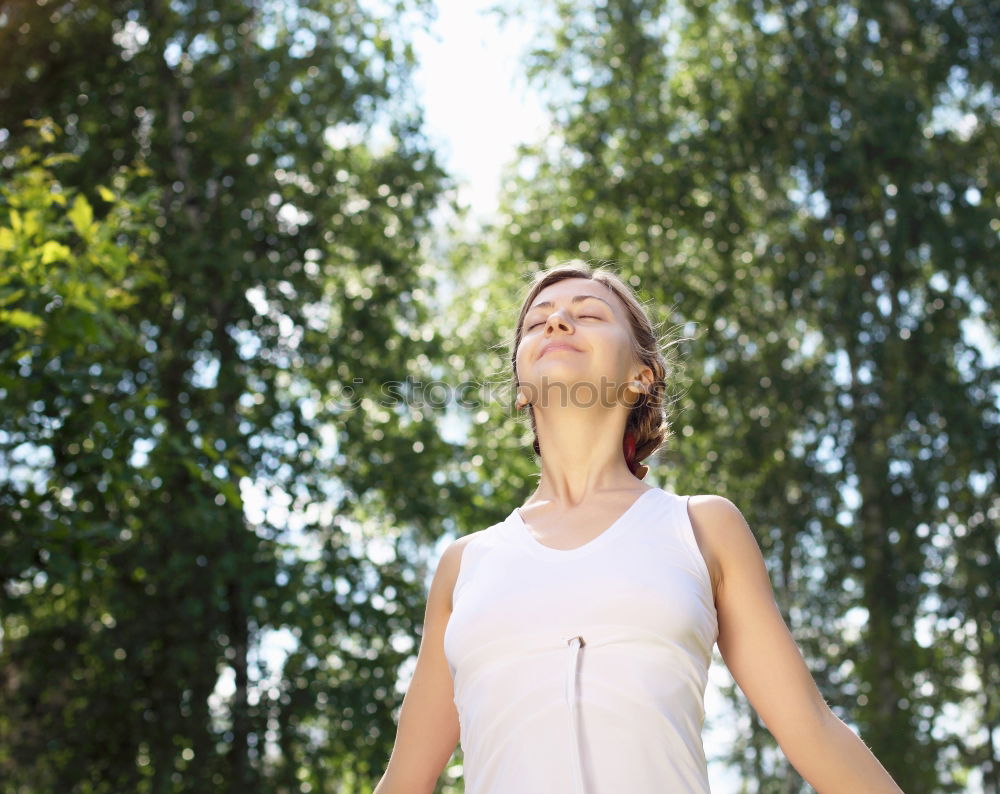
<point>574,644</point>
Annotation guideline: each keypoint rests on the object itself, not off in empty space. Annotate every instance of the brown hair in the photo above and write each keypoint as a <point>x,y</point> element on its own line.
<point>648,419</point>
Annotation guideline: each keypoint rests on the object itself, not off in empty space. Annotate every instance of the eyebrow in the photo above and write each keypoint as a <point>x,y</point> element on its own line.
<point>576,299</point>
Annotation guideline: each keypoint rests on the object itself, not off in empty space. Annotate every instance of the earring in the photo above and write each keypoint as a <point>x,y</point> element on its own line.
<point>521,401</point>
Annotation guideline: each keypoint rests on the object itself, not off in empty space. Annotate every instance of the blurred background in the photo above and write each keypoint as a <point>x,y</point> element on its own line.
<point>259,262</point>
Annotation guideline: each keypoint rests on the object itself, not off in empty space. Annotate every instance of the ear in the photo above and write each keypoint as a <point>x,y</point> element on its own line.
<point>644,375</point>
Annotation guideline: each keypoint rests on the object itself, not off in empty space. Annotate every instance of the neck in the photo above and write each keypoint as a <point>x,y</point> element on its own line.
<point>581,454</point>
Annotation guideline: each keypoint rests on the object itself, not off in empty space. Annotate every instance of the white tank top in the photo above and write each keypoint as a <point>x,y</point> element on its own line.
<point>585,665</point>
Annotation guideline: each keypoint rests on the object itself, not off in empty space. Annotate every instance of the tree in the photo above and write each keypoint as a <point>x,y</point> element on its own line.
<point>810,191</point>
<point>71,275</point>
<point>296,190</point>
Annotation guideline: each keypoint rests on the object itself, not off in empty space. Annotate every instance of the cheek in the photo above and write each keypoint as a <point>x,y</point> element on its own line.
<point>519,358</point>
<point>616,355</point>
<point>624,342</point>
<point>610,338</point>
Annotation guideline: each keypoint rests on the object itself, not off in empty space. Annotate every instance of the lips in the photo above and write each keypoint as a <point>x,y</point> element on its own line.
<point>557,346</point>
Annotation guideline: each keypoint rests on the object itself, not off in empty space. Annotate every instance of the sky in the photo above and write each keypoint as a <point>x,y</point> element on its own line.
<point>476,101</point>
<point>478,107</point>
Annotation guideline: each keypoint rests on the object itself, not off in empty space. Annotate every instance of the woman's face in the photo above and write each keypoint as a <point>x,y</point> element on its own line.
<point>588,323</point>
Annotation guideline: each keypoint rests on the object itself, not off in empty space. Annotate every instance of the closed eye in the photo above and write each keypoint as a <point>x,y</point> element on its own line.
<point>582,316</point>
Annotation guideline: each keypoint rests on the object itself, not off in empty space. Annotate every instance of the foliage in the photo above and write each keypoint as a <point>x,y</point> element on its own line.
<point>220,329</point>
<point>809,191</point>
<point>69,281</point>
<point>239,508</point>
<point>72,274</point>
<point>65,275</point>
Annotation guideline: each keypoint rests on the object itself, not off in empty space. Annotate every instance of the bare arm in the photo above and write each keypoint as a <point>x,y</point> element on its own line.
<point>843,759</point>
<point>428,728</point>
<point>764,660</point>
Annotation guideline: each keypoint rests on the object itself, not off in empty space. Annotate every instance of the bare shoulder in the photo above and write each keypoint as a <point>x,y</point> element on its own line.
<point>450,563</point>
<point>720,529</point>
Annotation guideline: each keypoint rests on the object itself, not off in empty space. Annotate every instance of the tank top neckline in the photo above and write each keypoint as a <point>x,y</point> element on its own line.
<point>618,526</point>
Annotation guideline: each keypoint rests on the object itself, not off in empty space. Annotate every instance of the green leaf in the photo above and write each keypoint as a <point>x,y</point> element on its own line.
<point>230,491</point>
<point>54,252</point>
<point>20,319</point>
<point>32,223</point>
<point>46,128</point>
<point>76,296</point>
<point>11,296</point>
<point>208,449</point>
<point>81,216</point>
<point>57,159</point>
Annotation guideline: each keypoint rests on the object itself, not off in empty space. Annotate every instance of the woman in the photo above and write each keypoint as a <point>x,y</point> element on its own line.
<point>568,646</point>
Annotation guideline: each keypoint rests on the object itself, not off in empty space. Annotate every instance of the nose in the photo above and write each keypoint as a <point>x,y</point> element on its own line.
<point>556,320</point>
